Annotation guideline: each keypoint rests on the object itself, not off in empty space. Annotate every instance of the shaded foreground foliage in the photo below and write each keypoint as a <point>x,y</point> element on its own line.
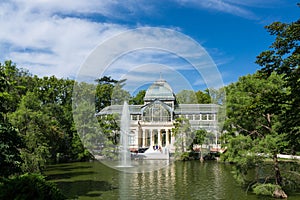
<point>29,186</point>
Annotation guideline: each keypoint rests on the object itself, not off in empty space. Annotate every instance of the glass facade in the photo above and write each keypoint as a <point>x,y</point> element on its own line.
<point>156,113</point>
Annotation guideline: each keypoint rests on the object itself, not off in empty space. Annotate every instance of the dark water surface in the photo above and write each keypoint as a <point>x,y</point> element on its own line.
<point>180,180</point>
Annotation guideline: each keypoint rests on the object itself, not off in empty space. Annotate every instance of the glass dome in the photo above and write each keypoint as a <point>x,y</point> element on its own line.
<point>161,90</point>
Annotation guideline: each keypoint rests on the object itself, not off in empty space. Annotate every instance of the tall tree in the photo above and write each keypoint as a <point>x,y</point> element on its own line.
<point>10,143</point>
<point>183,137</point>
<point>139,98</point>
<point>203,97</point>
<point>253,114</point>
<point>33,126</point>
<point>10,140</point>
<point>283,57</point>
<point>119,95</point>
<point>199,139</point>
<point>110,91</point>
<point>16,85</point>
<point>186,97</point>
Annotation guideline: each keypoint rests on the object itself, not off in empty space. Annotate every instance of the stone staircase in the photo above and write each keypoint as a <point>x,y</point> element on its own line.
<point>152,154</point>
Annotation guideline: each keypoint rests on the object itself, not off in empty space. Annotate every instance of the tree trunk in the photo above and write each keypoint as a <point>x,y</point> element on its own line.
<point>278,178</point>
<point>201,153</point>
<point>279,194</point>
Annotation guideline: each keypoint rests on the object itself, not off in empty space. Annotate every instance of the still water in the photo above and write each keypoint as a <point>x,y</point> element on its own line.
<point>179,180</point>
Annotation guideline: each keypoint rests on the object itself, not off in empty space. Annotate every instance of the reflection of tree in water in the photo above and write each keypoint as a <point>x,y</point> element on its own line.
<point>91,188</point>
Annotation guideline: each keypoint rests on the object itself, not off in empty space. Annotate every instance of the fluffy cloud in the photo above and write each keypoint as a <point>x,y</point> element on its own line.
<point>53,37</point>
<point>36,35</point>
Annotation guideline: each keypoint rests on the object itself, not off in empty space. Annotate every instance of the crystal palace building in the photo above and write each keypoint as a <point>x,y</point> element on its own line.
<point>151,124</point>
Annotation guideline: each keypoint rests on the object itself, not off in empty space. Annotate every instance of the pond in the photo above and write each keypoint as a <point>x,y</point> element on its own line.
<point>179,180</point>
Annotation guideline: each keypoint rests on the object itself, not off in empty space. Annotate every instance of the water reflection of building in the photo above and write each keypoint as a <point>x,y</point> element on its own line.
<point>152,123</point>
<point>157,183</point>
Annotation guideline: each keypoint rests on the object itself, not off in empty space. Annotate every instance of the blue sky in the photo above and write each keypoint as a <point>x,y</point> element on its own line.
<point>54,37</point>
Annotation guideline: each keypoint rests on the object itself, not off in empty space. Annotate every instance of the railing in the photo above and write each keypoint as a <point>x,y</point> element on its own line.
<point>154,123</point>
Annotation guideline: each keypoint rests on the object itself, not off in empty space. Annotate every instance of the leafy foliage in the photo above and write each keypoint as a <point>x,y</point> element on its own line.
<point>263,109</point>
<point>110,91</point>
<point>200,136</point>
<point>186,97</point>
<point>283,57</point>
<point>10,142</point>
<point>203,97</point>
<point>139,98</point>
<point>253,126</point>
<point>41,111</point>
<point>265,189</point>
<point>119,95</point>
<point>29,186</point>
<point>183,134</point>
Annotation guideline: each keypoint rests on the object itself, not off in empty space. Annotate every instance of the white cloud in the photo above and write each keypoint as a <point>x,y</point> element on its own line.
<point>153,71</point>
<point>50,38</point>
<point>256,3</point>
<point>225,6</point>
<point>33,36</point>
<point>124,56</point>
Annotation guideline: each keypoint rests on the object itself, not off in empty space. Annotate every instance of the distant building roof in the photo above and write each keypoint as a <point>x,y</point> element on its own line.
<point>133,109</point>
<point>196,108</point>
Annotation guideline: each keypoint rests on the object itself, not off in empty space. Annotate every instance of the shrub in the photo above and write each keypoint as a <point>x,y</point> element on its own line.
<point>184,156</point>
<point>29,186</point>
<point>264,189</point>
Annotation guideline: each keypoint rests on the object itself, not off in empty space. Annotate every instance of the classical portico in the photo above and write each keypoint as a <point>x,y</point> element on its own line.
<point>155,135</point>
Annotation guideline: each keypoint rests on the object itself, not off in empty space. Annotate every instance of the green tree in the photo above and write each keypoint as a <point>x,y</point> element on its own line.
<point>253,114</point>
<point>10,140</point>
<point>110,92</point>
<point>29,186</point>
<point>55,96</point>
<point>283,57</point>
<point>110,127</point>
<point>104,89</point>
<point>119,95</point>
<point>8,71</point>
<point>199,139</point>
<point>186,97</point>
<point>32,125</point>
<point>203,97</point>
<point>48,101</point>
<point>183,138</point>
<point>240,152</point>
<point>87,126</point>
<point>139,98</point>
<point>218,96</point>
<point>10,143</point>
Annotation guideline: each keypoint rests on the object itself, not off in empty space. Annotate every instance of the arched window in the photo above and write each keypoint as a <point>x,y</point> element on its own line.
<point>156,113</point>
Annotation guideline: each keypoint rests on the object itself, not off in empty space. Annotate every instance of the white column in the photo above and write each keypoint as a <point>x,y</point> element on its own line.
<point>151,137</point>
<point>159,137</point>
<point>167,137</point>
<point>143,138</point>
<point>136,137</point>
<point>172,138</point>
